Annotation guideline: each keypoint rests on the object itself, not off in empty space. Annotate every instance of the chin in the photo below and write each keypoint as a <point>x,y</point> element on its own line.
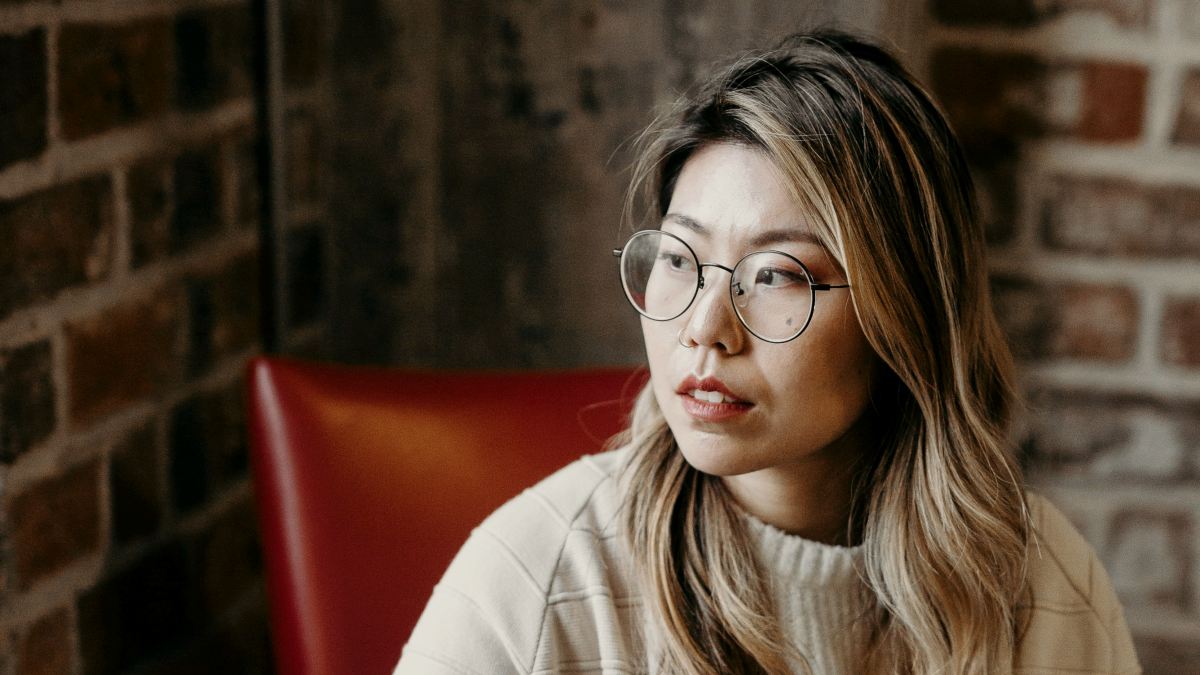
<point>716,459</point>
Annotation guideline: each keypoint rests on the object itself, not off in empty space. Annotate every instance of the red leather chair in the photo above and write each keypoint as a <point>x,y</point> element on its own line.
<point>369,480</point>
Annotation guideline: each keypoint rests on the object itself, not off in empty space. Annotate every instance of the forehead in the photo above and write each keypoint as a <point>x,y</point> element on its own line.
<point>734,193</point>
<point>754,236</point>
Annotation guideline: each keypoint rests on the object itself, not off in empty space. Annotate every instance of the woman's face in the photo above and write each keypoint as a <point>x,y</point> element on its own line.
<point>793,402</point>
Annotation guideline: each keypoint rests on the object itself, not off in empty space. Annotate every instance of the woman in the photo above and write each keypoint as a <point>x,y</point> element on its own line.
<point>816,477</point>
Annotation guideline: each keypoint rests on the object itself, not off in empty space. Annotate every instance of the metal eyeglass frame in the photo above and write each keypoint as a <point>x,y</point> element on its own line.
<point>812,284</point>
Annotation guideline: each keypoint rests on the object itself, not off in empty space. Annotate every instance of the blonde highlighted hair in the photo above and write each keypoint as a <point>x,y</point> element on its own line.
<point>940,509</point>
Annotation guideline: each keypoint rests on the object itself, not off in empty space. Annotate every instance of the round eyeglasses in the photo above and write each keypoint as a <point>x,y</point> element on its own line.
<point>772,292</point>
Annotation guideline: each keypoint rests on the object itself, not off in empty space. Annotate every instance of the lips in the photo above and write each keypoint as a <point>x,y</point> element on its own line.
<point>709,386</point>
<point>710,400</point>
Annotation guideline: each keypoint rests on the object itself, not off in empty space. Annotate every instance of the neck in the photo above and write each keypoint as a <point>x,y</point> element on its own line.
<point>811,498</point>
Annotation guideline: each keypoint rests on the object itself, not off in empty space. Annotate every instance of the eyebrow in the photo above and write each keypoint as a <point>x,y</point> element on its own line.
<point>759,240</point>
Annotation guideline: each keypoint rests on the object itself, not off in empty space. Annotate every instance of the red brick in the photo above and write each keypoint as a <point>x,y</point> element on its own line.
<point>22,96</point>
<point>240,646</point>
<point>124,354</point>
<point>175,204</point>
<point>996,99</point>
<point>1097,323</point>
<point>197,188</point>
<point>1068,321</point>
<point>224,312</point>
<point>207,447</point>
<point>1127,13</point>
<point>142,611</point>
<point>54,239</point>
<point>975,12</point>
<point>135,486</point>
<point>45,647</point>
<point>1187,122</point>
<point>1149,555</point>
<point>213,48</point>
<point>225,435</point>
<point>1096,101</point>
<point>150,209</point>
<point>993,99</point>
<point>1114,98</point>
<point>55,522</point>
<point>228,560</point>
<point>1181,332</point>
<point>1114,216</point>
<point>1095,437</point>
<point>112,75</point>
<point>996,187</point>
<point>27,400</point>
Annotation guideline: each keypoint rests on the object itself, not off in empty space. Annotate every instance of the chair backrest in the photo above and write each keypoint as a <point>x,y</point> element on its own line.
<point>368,481</point>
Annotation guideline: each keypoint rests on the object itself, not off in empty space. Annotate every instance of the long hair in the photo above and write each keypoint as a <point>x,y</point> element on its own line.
<point>940,509</point>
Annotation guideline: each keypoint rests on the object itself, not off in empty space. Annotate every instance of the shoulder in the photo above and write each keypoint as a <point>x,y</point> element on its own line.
<point>1072,618</point>
<point>581,494</point>
<point>536,524</point>
<point>494,600</point>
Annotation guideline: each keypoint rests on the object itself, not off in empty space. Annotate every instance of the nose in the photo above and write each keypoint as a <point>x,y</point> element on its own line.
<point>711,321</point>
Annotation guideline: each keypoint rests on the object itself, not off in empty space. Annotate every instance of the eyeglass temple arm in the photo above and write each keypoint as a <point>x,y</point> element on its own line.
<point>616,253</point>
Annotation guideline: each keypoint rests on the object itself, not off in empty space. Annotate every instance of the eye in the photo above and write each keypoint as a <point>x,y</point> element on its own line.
<point>676,262</point>
<point>774,277</point>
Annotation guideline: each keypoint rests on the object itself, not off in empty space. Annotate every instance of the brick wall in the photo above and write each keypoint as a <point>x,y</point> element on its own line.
<point>305,249</point>
<point>1082,118</point>
<point>128,306</point>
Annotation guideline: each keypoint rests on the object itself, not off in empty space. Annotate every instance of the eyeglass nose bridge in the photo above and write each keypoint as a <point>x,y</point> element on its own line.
<point>718,266</point>
<point>735,286</point>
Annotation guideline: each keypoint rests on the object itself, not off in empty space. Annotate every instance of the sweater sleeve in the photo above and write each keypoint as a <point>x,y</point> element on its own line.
<point>1104,599</point>
<point>463,629</point>
<point>1076,622</point>
<point>485,614</point>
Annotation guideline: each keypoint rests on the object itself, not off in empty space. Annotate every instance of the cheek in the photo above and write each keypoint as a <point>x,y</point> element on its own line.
<point>857,374</point>
<point>659,338</point>
<point>840,366</point>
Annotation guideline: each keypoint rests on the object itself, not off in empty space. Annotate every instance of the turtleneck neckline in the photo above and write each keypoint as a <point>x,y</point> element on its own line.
<point>804,561</point>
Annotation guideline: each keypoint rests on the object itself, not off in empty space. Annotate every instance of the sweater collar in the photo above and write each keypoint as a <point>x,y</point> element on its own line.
<point>803,561</point>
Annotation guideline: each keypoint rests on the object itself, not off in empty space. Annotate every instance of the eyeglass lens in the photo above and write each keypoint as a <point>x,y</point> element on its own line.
<point>771,292</point>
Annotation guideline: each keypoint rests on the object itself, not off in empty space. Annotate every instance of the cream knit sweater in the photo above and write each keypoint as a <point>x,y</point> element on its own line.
<point>544,585</point>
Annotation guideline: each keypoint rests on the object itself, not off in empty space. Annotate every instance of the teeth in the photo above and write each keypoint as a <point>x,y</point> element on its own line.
<point>710,396</point>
